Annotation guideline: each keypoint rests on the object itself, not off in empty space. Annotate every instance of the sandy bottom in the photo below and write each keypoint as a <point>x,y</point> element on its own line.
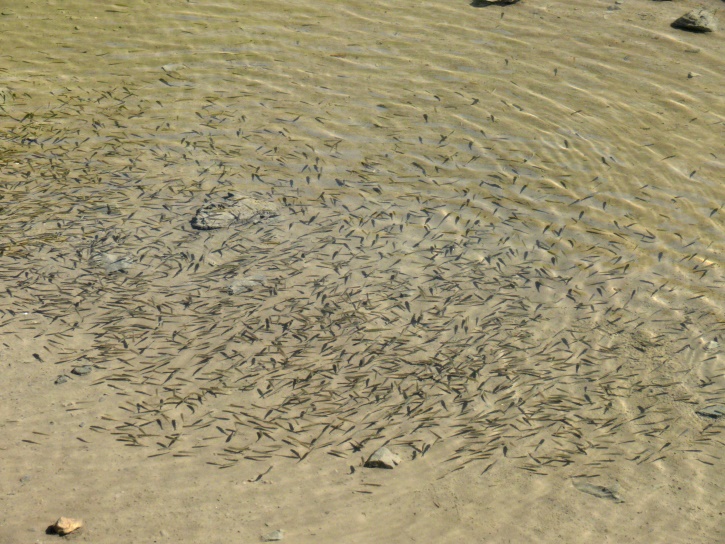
<point>51,467</point>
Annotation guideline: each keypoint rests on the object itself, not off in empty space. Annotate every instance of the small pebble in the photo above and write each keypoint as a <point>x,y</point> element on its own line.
<point>60,380</point>
<point>82,370</point>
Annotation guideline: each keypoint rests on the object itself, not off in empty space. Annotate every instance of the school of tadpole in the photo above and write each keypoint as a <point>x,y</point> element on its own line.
<point>492,318</point>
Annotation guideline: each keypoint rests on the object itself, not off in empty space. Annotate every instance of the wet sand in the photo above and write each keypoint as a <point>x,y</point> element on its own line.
<point>491,241</point>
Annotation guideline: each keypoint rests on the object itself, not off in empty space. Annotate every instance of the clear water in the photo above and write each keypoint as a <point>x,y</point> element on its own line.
<point>499,241</point>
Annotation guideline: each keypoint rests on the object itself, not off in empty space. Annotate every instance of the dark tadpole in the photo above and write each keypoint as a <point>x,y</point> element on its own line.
<point>488,4</point>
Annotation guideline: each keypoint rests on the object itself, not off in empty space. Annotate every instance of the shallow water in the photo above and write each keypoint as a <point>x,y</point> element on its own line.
<point>498,245</point>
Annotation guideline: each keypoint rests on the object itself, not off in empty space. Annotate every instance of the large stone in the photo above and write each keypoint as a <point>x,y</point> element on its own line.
<point>383,458</point>
<point>697,20</point>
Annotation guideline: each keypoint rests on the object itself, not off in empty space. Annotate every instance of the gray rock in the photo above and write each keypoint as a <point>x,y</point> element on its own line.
<point>383,458</point>
<point>697,20</point>
<point>233,209</point>
<point>60,380</point>
<point>274,536</point>
<point>82,370</point>
<point>715,411</point>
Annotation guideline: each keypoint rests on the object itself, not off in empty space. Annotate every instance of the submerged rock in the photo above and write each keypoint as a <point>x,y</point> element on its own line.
<point>274,536</point>
<point>383,458</point>
<point>65,526</point>
<point>112,263</point>
<point>246,284</point>
<point>697,20</point>
<point>599,491</point>
<point>174,67</point>
<point>82,370</point>
<point>233,209</point>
